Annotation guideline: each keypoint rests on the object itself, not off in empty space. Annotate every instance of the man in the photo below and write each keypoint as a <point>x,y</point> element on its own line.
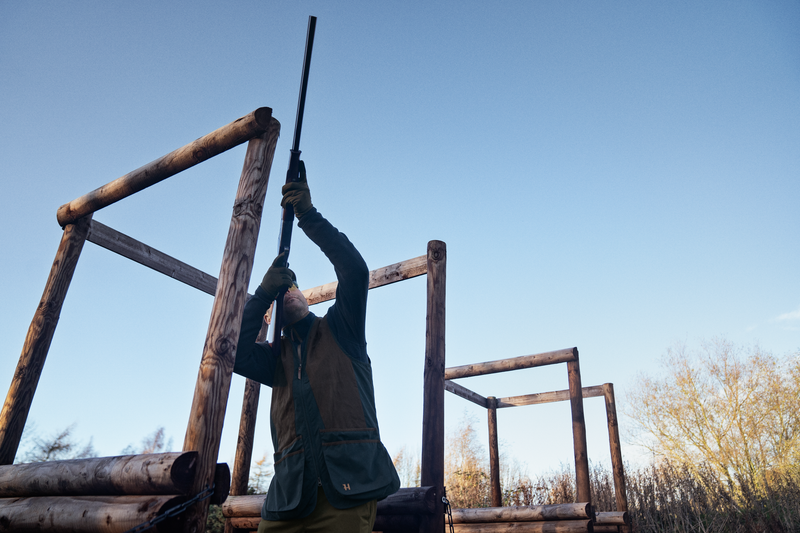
<point>330,465</point>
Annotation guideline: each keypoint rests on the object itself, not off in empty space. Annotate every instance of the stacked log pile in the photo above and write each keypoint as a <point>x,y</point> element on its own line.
<point>402,511</point>
<point>103,494</point>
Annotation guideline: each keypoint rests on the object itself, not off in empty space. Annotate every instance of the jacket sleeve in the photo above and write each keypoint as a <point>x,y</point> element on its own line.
<point>254,360</point>
<point>347,316</point>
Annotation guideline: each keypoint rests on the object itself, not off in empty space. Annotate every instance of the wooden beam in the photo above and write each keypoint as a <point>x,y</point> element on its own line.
<point>515,363</point>
<point>458,390</point>
<point>559,526</point>
<point>579,431</point>
<point>616,518</point>
<point>494,453</point>
<point>245,523</point>
<point>88,514</point>
<point>432,462</point>
<point>117,242</point>
<point>617,467</point>
<point>37,342</point>
<point>387,275</point>
<point>524,513</point>
<point>407,500</point>
<point>157,473</point>
<point>241,130</point>
<point>207,414</point>
<point>547,397</point>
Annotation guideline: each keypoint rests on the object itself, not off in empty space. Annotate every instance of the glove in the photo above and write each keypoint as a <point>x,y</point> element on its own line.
<point>277,278</point>
<point>296,194</point>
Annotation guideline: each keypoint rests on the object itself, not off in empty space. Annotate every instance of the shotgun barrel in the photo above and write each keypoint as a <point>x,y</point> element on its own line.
<point>292,174</point>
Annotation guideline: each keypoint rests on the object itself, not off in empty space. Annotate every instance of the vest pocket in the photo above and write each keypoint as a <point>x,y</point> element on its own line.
<point>357,461</point>
<point>287,483</point>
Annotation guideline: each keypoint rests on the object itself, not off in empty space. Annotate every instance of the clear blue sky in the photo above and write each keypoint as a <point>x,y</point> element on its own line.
<point>612,176</point>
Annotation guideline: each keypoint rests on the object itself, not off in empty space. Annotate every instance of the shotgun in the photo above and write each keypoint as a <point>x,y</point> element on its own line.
<point>292,174</point>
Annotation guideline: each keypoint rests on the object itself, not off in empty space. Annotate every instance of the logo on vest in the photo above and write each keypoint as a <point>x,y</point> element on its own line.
<point>346,486</point>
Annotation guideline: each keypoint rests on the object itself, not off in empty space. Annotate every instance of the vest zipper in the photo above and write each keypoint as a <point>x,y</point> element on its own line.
<point>299,363</point>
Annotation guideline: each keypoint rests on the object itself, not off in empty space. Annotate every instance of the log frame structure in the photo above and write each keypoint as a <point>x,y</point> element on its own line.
<point>260,130</point>
<point>575,395</point>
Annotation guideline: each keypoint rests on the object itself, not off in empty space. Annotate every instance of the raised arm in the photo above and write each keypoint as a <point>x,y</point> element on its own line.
<point>347,316</point>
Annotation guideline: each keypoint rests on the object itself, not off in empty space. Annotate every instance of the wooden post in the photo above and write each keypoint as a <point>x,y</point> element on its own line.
<point>578,431</point>
<point>247,432</point>
<point>494,453</point>
<point>432,463</point>
<point>620,490</point>
<point>37,342</point>
<point>218,141</point>
<point>216,366</point>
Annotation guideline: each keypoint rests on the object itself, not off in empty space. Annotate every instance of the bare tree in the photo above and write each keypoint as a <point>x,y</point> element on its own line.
<point>58,446</point>
<point>408,469</point>
<point>734,409</point>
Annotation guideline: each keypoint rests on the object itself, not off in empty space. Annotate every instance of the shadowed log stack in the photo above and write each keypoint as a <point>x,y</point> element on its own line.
<point>103,494</point>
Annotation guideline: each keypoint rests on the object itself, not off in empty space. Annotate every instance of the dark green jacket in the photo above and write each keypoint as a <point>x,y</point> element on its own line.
<point>323,420</point>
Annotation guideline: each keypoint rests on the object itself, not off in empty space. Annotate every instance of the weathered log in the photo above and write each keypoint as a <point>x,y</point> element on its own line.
<point>494,453</point>
<point>578,431</point>
<point>387,275</point>
<point>432,462</point>
<point>514,363</point>
<point>407,500</point>
<point>605,528</point>
<point>524,513</point>
<point>241,130</point>
<point>546,397</point>
<point>222,484</point>
<point>618,518</point>
<point>615,446</point>
<point>37,342</point>
<point>246,505</point>
<point>85,514</point>
<point>247,523</point>
<point>560,526</point>
<point>214,377</point>
<point>157,473</point>
<point>459,390</point>
<point>119,243</point>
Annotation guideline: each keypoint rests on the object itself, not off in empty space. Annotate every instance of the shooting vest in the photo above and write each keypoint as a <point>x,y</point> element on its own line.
<point>324,428</point>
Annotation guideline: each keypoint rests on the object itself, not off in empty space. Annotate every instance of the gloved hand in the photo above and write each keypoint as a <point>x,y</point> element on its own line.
<point>297,194</point>
<point>277,278</point>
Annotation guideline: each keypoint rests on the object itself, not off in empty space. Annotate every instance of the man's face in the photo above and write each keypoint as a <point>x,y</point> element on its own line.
<point>295,306</point>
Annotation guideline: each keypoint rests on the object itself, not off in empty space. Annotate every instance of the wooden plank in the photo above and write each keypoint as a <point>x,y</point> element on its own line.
<point>387,275</point>
<point>459,390</point>
<point>207,414</point>
<point>560,526</point>
<point>37,342</point>
<point>617,467</point>
<point>87,514</point>
<point>547,397</point>
<point>494,453</point>
<point>156,473</point>
<point>514,363</point>
<point>241,130</point>
<point>578,431</point>
<point>432,462</point>
<point>126,246</point>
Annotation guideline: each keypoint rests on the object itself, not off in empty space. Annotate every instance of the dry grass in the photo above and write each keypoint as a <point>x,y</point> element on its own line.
<point>672,498</point>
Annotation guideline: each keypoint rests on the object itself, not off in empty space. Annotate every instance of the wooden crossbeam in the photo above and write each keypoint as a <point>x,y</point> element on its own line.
<point>514,363</point>
<point>547,397</point>
<point>126,246</point>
